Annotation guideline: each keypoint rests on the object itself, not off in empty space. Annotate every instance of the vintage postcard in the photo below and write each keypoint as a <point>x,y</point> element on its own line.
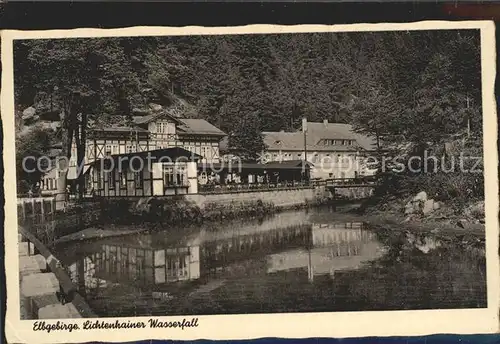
<point>249,182</point>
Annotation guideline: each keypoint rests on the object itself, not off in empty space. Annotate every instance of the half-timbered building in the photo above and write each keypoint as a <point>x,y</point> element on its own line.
<point>146,133</point>
<point>160,172</point>
<point>195,135</point>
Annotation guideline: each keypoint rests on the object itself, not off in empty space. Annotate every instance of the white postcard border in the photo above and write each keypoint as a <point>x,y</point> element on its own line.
<point>290,325</point>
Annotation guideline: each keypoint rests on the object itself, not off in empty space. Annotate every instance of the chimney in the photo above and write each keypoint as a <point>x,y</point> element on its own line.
<point>325,122</point>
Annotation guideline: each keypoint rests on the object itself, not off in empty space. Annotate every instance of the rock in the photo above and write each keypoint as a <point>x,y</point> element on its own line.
<point>463,223</point>
<point>409,209</point>
<point>28,113</point>
<point>140,112</point>
<point>155,107</point>
<point>408,219</point>
<point>420,197</point>
<point>436,205</point>
<point>428,207</point>
<point>475,210</point>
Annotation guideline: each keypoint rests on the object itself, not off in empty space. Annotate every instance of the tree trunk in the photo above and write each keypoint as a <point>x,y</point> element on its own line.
<point>80,138</point>
<point>62,167</point>
<point>68,120</point>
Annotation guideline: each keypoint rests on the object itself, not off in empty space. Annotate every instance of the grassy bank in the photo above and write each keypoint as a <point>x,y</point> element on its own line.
<point>466,220</point>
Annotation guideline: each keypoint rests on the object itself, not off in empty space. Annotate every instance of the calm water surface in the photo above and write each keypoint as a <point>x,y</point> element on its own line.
<point>292,262</point>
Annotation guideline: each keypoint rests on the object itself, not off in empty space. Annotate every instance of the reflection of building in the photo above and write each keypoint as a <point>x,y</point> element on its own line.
<point>144,266</point>
<point>224,251</point>
<point>335,233</point>
<point>335,247</point>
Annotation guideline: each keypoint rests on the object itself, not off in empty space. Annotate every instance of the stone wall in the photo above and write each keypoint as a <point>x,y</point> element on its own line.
<point>280,198</point>
<point>355,192</point>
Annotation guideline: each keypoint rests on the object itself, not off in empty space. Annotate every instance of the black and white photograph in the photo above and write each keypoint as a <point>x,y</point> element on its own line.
<point>259,173</point>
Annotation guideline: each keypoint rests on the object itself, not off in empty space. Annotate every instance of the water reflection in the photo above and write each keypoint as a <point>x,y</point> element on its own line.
<point>282,264</point>
<point>335,247</point>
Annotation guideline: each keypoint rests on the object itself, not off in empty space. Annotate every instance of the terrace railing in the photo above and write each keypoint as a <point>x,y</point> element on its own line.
<point>234,188</point>
<point>230,188</point>
<point>344,181</point>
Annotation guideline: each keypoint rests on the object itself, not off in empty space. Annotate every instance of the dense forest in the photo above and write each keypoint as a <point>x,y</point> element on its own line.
<point>418,87</point>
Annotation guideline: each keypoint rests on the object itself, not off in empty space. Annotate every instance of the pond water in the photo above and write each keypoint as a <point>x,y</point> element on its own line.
<point>298,261</point>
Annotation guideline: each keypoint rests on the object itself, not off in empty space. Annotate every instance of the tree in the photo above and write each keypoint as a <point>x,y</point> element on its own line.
<point>30,147</point>
<point>81,78</point>
<point>246,141</point>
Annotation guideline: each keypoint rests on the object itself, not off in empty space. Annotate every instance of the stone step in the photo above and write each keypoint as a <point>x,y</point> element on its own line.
<point>26,249</point>
<point>39,284</point>
<point>32,264</point>
<point>58,311</point>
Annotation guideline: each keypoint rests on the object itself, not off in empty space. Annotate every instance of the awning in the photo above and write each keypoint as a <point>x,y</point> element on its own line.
<point>254,167</point>
<point>72,171</point>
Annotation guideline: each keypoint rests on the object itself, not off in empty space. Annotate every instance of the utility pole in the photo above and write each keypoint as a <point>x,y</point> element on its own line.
<point>468,118</point>
<point>304,129</point>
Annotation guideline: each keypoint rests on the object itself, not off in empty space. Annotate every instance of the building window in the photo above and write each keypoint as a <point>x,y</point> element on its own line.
<point>168,175</point>
<point>99,180</point>
<point>174,175</point>
<point>139,179</point>
<point>123,180</point>
<point>115,149</point>
<point>113,261</point>
<point>180,173</point>
<point>111,180</point>
<point>165,128</point>
<point>108,150</point>
<point>130,148</point>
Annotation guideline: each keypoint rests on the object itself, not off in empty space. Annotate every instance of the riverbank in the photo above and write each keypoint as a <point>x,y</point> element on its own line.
<point>375,219</point>
<point>420,213</point>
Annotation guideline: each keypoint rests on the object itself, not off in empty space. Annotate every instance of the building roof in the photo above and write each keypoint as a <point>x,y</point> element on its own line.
<point>198,126</point>
<point>186,126</point>
<point>288,163</point>
<point>121,129</point>
<point>174,154</point>
<point>149,118</point>
<point>275,141</point>
<point>294,141</point>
